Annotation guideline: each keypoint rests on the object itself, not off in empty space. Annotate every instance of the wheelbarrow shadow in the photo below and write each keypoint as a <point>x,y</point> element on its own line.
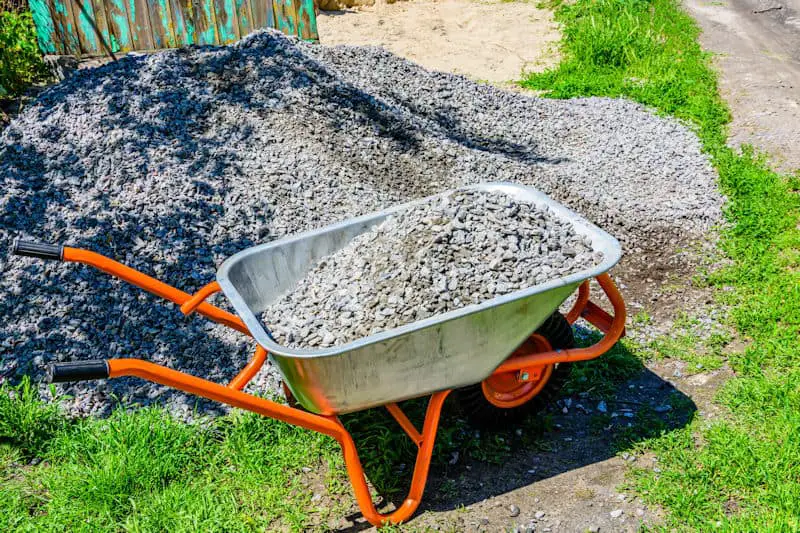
<point>608,406</point>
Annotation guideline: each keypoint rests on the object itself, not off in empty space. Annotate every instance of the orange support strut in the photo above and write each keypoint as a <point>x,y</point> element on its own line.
<point>327,425</point>
<point>614,331</point>
<point>249,371</point>
<point>151,285</point>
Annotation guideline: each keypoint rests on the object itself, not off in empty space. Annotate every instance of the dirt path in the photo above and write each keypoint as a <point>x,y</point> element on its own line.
<point>489,40</point>
<point>758,42</point>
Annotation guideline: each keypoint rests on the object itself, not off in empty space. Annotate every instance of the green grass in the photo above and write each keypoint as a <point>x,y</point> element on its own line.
<point>143,471</point>
<point>742,473</point>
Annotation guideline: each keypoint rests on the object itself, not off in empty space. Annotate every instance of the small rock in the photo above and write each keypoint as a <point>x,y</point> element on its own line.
<point>616,513</point>
<point>513,511</point>
<point>539,515</point>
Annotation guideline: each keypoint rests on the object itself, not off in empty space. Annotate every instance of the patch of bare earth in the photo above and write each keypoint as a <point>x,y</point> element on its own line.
<point>487,40</point>
<point>757,47</point>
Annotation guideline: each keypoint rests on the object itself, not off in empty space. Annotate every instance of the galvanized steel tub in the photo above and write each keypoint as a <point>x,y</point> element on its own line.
<point>445,351</point>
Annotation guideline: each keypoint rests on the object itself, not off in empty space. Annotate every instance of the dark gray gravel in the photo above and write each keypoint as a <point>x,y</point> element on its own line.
<point>455,250</point>
<point>174,161</point>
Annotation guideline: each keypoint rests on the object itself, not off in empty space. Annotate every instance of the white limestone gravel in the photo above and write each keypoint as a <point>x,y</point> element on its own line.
<point>172,162</point>
<point>457,249</point>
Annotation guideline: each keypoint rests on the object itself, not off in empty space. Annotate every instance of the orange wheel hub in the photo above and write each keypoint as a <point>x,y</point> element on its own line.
<point>513,389</point>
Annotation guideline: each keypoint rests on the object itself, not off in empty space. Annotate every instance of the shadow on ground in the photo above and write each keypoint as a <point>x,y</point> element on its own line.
<point>607,408</point>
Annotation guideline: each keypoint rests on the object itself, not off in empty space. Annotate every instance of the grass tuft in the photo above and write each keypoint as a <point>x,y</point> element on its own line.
<point>25,422</point>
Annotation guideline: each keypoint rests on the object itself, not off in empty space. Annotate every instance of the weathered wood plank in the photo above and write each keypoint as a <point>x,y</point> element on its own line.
<point>205,23</point>
<point>60,15</point>
<point>183,21</point>
<point>269,15</point>
<point>306,20</point>
<point>118,26</point>
<point>225,18</point>
<point>285,16</point>
<point>101,27</point>
<point>141,30</point>
<point>71,24</point>
<point>161,24</point>
<point>244,16</point>
<point>83,13</point>
<point>260,13</point>
<point>46,36</point>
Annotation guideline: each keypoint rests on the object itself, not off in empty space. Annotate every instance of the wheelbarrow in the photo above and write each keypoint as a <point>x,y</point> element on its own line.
<point>501,353</point>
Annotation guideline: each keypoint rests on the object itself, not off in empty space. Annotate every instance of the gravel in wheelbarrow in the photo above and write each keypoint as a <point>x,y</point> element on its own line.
<point>454,250</point>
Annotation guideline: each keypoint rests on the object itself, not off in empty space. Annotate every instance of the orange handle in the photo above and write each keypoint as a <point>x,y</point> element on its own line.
<point>151,285</point>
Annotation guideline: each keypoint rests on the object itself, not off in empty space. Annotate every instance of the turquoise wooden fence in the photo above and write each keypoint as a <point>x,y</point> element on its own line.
<point>103,27</point>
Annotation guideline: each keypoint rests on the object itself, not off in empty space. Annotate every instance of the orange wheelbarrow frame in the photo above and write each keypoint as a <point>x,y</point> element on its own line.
<point>521,366</point>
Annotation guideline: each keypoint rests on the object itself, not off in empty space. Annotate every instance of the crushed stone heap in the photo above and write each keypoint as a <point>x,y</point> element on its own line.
<point>455,250</point>
<point>173,161</point>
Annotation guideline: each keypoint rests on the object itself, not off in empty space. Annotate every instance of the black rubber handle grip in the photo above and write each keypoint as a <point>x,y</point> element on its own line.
<point>38,250</point>
<point>77,371</point>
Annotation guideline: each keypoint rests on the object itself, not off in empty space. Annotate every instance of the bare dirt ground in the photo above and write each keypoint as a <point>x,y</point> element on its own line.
<point>487,40</point>
<point>758,47</point>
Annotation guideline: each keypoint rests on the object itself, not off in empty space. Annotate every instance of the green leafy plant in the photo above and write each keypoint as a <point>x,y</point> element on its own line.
<point>20,61</point>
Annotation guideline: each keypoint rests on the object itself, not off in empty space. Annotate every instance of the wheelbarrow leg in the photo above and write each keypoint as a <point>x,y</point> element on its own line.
<point>421,466</point>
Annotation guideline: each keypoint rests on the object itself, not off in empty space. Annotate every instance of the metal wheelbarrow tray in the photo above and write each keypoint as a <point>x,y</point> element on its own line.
<point>433,356</point>
<point>444,351</point>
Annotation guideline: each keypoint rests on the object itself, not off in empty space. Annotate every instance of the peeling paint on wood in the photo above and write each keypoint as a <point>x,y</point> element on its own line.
<point>103,27</point>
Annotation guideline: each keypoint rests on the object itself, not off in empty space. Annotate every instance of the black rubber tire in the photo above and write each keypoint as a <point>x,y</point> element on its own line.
<point>474,405</point>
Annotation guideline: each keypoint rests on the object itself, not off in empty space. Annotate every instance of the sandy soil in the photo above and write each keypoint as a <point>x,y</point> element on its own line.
<point>485,40</point>
<point>758,42</point>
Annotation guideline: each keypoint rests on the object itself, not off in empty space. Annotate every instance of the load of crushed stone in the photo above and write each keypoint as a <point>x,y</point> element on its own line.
<point>457,249</point>
<point>171,162</point>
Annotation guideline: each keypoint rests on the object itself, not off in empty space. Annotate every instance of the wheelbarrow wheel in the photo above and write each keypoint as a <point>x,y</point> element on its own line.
<point>502,400</point>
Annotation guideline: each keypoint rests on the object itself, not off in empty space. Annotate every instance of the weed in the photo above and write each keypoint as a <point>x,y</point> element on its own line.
<point>20,61</point>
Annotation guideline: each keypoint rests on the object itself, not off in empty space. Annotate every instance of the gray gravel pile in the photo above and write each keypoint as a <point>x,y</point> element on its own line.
<point>172,162</point>
<point>455,250</point>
